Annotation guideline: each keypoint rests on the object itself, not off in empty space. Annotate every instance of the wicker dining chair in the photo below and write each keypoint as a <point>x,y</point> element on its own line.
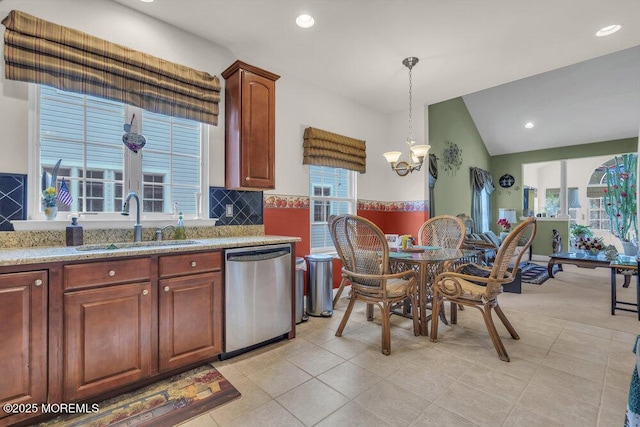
<point>364,252</point>
<point>446,231</point>
<point>460,289</point>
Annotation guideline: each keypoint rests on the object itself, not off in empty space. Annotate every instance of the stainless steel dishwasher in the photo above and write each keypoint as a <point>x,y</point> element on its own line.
<point>258,296</point>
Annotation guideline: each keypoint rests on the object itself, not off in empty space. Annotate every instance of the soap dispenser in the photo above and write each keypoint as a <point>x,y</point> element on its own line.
<point>180,233</point>
<point>74,233</point>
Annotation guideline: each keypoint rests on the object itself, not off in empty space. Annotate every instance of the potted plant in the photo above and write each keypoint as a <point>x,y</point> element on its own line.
<point>620,200</point>
<point>578,230</point>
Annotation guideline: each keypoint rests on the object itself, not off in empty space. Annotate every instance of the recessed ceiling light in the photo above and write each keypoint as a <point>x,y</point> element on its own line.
<point>608,30</point>
<point>305,21</point>
<point>529,125</point>
<point>147,1</point>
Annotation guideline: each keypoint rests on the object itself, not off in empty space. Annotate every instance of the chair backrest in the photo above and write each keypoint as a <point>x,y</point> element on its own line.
<point>468,223</point>
<point>446,231</point>
<point>499,274</point>
<point>361,246</point>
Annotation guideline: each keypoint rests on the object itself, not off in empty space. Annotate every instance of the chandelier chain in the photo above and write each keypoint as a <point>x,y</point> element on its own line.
<point>410,107</point>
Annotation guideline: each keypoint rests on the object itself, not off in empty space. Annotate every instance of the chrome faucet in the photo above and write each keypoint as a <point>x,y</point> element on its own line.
<point>137,227</point>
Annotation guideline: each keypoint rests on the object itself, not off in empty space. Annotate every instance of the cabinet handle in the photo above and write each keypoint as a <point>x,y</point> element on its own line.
<point>112,273</point>
<point>246,179</point>
<point>145,292</point>
<point>38,282</point>
<point>193,264</point>
<point>166,289</point>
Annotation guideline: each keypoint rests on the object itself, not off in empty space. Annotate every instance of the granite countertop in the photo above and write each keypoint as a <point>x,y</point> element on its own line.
<point>24,256</point>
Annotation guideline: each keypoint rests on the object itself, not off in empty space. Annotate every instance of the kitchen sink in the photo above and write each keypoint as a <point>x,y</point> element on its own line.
<point>127,245</point>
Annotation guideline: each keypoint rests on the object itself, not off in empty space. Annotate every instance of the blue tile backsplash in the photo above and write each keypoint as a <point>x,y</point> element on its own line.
<point>247,206</point>
<point>13,199</point>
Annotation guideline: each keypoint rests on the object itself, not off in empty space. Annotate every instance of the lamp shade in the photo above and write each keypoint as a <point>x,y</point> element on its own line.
<point>508,214</point>
<point>420,150</point>
<point>392,156</point>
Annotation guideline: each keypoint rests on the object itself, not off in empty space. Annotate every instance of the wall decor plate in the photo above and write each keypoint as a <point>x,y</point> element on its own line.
<point>506,181</point>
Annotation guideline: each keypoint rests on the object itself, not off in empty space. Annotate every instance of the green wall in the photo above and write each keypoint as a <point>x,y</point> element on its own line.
<point>512,164</point>
<point>541,244</point>
<point>451,121</point>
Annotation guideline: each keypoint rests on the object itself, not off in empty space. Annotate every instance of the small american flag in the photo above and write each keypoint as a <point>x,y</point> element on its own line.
<point>64,196</point>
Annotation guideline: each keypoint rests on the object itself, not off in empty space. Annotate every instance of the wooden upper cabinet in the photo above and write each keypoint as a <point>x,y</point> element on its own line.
<point>249,127</point>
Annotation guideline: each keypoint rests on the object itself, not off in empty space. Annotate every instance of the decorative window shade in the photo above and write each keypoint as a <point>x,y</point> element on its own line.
<point>39,51</point>
<point>324,148</point>
<point>596,191</point>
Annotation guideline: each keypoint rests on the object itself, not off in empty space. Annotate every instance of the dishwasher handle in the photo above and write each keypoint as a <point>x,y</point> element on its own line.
<point>251,257</point>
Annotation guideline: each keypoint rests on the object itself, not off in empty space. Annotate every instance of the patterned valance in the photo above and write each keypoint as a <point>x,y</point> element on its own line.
<point>39,51</point>
<point>324,148</point>
<point>481,179</point>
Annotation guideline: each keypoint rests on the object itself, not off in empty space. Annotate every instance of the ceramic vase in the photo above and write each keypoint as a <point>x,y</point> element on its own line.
<point>50,212</point>
<point>629,248</point>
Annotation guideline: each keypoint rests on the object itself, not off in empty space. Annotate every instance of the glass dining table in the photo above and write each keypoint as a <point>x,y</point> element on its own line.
<point>428,262</point>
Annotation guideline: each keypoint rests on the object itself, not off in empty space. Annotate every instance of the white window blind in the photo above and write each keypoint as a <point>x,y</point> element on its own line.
<point>86,133</point>
<point>332,192</point>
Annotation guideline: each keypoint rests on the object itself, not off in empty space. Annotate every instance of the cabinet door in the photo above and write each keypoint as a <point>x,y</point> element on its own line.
<point>23,338</point>
<point>258,131</point>
<point>190,316</point>
<point>107,338</point>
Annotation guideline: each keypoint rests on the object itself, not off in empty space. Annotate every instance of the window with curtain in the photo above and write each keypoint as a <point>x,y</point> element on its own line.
<point>332,191</point>
<point>99,170</point>
<point>481,189</point>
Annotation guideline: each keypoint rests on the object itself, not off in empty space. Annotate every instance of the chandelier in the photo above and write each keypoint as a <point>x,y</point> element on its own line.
<point>417,153</point>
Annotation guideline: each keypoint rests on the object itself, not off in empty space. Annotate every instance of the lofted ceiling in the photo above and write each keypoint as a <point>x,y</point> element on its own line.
<point>492,52</point>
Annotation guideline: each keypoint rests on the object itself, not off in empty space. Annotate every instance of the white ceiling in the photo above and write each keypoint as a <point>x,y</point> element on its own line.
<point>356,49</point>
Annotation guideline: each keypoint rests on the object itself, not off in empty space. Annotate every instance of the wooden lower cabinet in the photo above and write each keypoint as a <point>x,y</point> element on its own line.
<point>117,334</point>
<point>190,319</point>
<point>23,338</point>
<point>107,339</point>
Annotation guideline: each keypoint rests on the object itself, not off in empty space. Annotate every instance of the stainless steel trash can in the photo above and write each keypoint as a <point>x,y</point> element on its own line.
<point>319,285</point>
<point>301,267</point>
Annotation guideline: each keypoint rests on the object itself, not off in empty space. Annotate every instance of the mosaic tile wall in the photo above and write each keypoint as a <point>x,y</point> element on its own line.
<point>246,206</point>
<point>13,199</point>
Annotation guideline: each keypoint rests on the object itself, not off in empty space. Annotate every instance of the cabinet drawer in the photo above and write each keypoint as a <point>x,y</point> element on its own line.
<point>190,263</point>
<point>80,276</point>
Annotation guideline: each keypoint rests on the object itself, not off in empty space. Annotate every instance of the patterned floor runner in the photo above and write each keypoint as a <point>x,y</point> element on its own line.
<point>534,273</point>
<point>164,403</point>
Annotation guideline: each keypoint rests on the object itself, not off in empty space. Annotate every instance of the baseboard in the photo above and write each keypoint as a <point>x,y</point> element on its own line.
<point>540,258</point>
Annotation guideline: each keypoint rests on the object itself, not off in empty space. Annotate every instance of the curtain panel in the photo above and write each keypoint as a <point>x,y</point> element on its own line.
<point>433,177</point>
<point>38,51</point>
<point>480,180</point>
<point>324,148</point>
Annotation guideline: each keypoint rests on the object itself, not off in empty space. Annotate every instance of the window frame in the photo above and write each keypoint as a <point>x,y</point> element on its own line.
<point>351,201</point>
<point>34,211</point>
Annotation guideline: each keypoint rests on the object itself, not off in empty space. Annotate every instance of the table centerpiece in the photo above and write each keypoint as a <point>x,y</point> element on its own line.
<point>593,245</point>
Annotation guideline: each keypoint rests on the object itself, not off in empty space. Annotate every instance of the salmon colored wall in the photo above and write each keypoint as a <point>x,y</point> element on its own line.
<point>294,221</point>
<point>289,222</point>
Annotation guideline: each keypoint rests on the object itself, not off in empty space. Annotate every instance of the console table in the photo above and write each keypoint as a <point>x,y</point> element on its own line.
<point>586,260</point>
<point>627,267</point>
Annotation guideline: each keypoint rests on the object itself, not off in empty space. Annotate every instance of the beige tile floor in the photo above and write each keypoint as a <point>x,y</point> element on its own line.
<point>571,367</point>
